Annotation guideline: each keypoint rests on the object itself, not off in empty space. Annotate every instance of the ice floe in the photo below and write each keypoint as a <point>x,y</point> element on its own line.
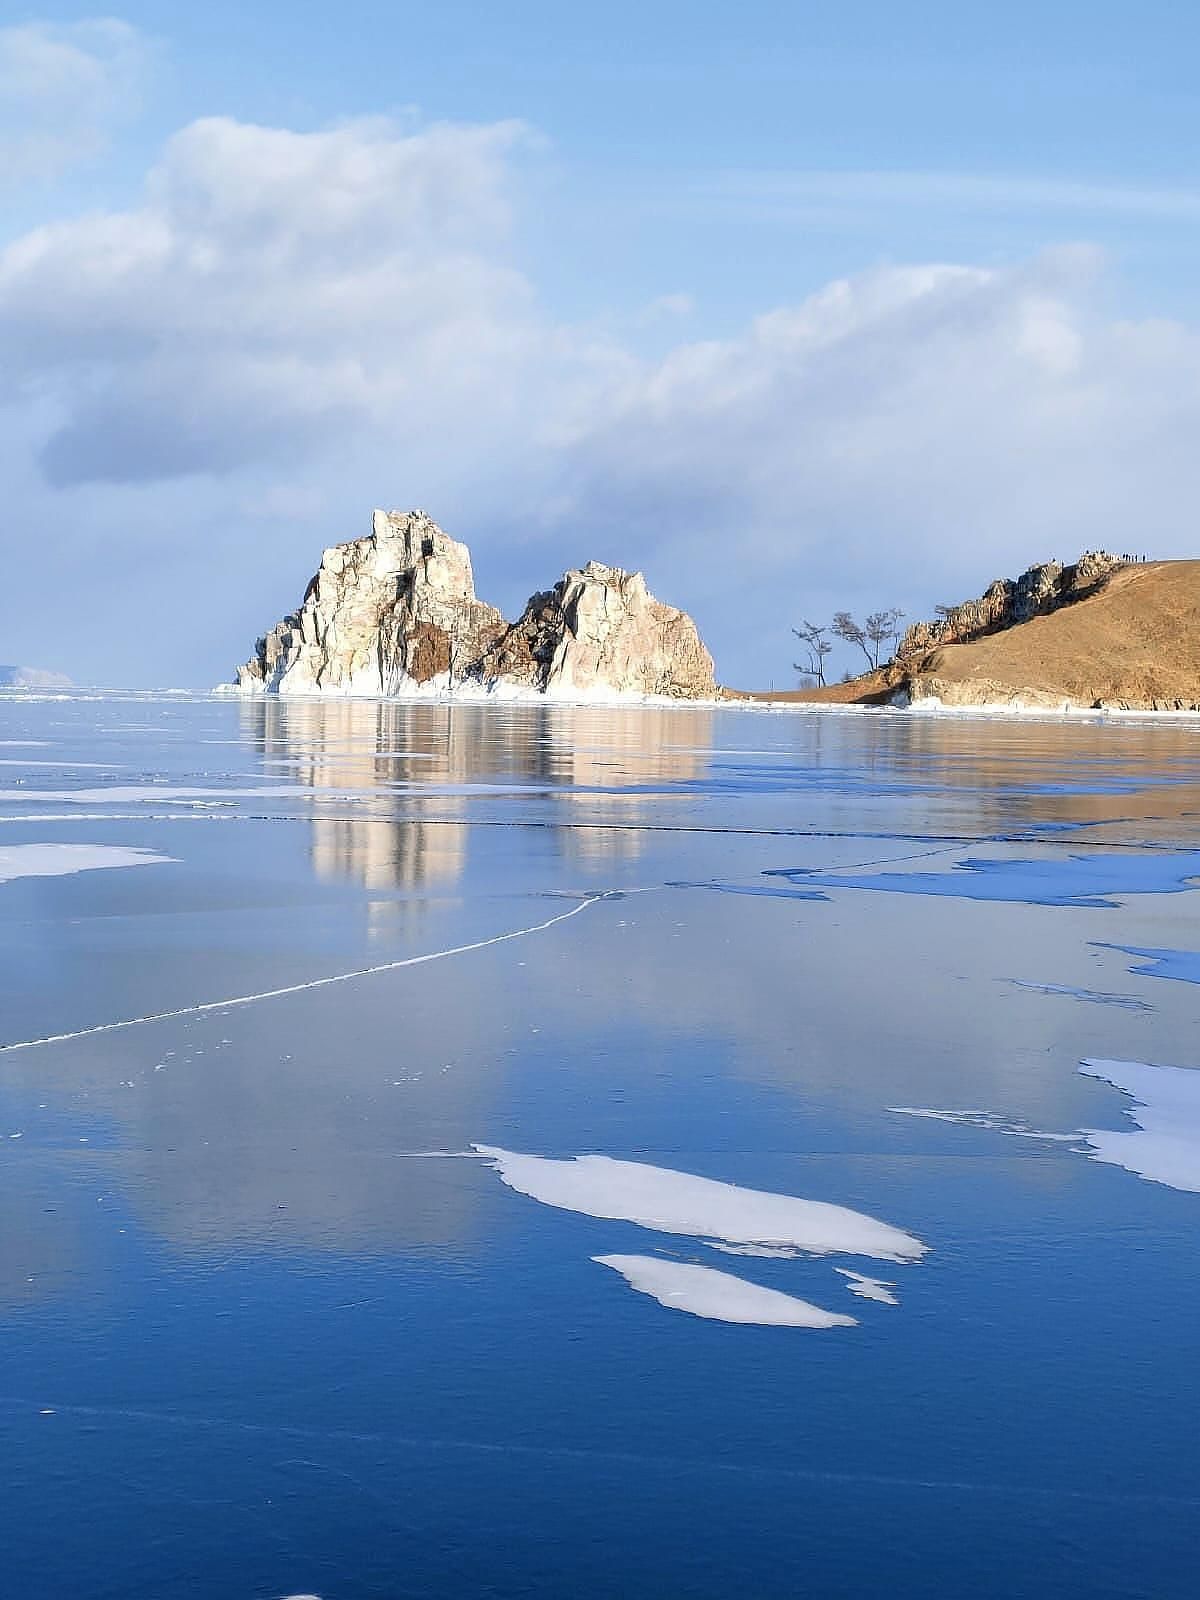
<point>58,860</point>
<point>719,1296</point>
<point>1164,1143</point>
<point>869,1288</point>
<point>680,1202</point>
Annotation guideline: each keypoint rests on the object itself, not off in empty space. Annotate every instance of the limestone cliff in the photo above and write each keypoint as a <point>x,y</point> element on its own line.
<point>396,613</point>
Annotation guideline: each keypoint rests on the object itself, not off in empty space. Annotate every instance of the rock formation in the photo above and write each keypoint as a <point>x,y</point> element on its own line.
<point>1008,601</point>
<point>598,628</point>
<point>395,613</point>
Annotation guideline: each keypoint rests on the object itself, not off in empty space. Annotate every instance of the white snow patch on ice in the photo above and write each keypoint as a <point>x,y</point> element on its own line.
<point>680,1202</point>
<point>719,1296</point>
<point>56,860</point>
<point>1164,1143</point>
<point>869,1288</point>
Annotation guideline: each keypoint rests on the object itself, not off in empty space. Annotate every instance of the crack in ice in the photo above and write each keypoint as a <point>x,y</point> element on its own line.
<point>312,983</point>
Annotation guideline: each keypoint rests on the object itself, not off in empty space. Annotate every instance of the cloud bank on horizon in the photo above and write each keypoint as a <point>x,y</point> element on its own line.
<point>279,328</point>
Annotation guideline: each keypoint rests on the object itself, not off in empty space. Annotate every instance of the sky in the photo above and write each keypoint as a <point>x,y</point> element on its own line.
<point>793,307</point>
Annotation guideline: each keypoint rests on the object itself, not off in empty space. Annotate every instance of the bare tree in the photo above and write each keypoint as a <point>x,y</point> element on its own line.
<point>814,637</point>
<point>883,627</point>
<point>870,638</point>
<point>846,628</point>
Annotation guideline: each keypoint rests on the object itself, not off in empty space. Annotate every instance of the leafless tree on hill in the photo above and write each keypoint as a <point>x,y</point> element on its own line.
<point>880,628</point>
<point>814,637</point>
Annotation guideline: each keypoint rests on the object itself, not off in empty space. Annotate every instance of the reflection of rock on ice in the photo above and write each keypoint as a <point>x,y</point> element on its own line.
<point>592,760</point>
<point>387,854</point>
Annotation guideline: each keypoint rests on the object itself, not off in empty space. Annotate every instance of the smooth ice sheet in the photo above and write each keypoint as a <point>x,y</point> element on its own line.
<point>719,1296</point>
<point>680,1202</point>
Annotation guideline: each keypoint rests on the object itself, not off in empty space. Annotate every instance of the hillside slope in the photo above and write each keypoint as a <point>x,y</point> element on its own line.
<point>1133,644</point>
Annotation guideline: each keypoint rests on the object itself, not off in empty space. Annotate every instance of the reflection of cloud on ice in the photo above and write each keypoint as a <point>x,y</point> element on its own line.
<point>680,1202</point>
<point>719,1296</point>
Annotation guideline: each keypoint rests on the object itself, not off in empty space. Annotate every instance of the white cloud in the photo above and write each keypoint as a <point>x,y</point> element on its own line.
<point>273,290</point>
<point>289,327</point>
<point>63,89</point>
<point>906,435</point>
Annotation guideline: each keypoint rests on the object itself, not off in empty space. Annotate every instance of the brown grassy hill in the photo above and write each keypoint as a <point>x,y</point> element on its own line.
<point>1134,643</point>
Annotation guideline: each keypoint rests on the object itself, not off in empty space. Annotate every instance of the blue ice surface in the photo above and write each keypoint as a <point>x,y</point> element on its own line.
<point>1074,880</point>
<point>1183,965</point>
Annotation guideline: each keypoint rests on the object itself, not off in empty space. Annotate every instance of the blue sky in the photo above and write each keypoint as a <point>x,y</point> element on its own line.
<point>792,306</point>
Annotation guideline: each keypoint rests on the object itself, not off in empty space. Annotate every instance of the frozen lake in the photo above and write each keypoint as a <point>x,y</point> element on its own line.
<point>527,1151</point>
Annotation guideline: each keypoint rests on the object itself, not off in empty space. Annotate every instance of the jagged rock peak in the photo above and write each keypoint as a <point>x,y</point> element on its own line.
<point>396,613</point>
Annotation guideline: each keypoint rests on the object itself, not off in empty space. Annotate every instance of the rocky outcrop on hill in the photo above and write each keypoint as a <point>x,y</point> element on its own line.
<point>396,613</point>
<point>1009,601</point>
